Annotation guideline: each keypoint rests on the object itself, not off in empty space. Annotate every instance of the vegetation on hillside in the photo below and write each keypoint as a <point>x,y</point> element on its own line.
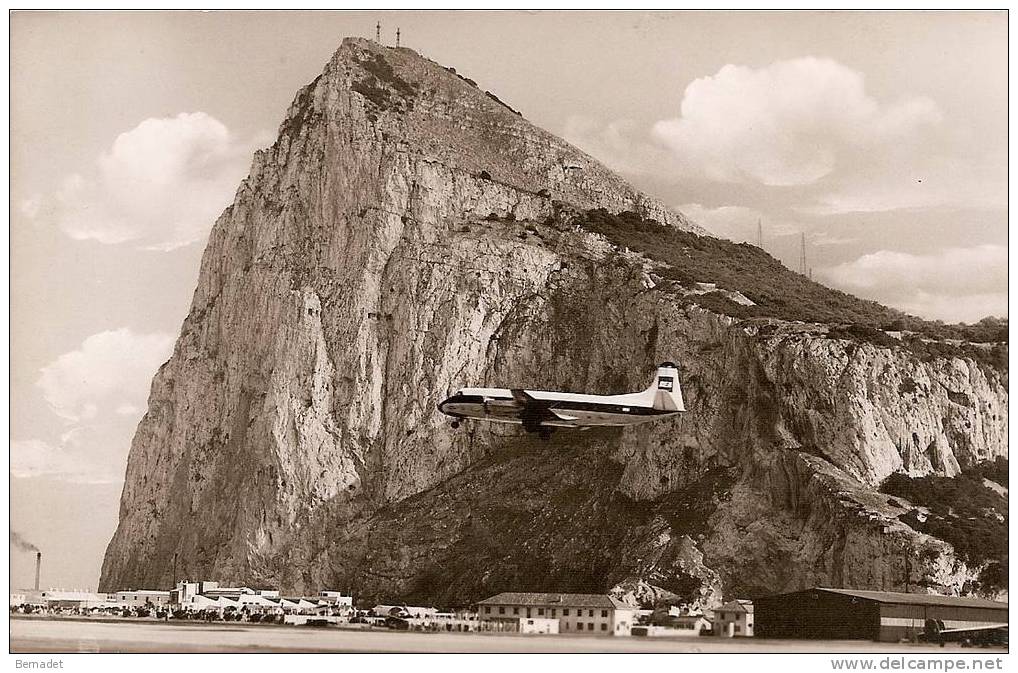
<point>995,470</point>
<point>963,512</point>
<point>777,291</point>
<point>381,82</point>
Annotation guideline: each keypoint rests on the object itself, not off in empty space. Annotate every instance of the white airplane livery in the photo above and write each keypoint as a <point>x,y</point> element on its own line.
<point>541,411</point>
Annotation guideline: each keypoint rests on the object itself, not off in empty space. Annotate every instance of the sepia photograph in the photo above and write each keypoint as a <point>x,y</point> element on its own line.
<point>503,332</point>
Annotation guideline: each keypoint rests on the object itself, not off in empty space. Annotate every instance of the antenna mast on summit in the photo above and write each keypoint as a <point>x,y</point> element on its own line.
<point>378,32</point>
<point>802,255</point>
<point>759,234</point>
<point>397,37</point>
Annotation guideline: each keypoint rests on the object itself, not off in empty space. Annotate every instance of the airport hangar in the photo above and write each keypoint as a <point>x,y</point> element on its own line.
<point>847,614</point>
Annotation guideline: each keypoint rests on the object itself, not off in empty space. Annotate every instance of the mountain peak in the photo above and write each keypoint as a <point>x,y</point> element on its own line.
<point>398,97</point>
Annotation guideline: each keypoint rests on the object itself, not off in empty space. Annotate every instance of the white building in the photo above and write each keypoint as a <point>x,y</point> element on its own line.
<point>589,614</point>
<point>209,595</point>
<point>62,598</point>
<point>139,598</point>
<point>255,603</point>
<point>734,619</point>
<point>185,591</point>
<point>336,598</point>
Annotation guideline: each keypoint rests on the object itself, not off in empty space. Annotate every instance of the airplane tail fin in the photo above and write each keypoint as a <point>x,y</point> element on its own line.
<point>666,392</point>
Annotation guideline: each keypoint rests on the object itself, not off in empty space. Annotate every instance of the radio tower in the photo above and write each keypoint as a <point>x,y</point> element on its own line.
<point>802,255</point>
<point>759,234</point>
<point>397,37</point>
<point>378,32</point>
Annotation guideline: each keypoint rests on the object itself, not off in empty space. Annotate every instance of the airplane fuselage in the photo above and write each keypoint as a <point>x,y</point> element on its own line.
<point>570,410</point>
<point>541,410</point>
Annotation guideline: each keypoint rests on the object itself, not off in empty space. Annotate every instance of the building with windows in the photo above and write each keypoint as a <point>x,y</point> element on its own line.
<point>61,598</point>
<point>887,616</point>
<point>336,598</point>
<point>589,614</point>
<point>539,625</point>
<point>734,619</point>
<point>140,598</point>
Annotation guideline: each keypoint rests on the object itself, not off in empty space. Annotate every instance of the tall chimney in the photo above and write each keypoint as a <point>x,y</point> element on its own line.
<point>38,567</point>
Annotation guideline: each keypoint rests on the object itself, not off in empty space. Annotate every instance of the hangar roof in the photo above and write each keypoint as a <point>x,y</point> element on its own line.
<point>917,599</point>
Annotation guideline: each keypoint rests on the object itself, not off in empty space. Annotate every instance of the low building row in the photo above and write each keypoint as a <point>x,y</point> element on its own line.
<point>817,613</point>
<point>190,596</point>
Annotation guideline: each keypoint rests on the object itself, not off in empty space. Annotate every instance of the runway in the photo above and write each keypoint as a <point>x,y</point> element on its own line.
<point>46,636</point>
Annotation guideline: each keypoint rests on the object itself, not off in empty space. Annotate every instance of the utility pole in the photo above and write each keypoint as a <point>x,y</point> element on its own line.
<point>397,37</point>
<point>378,32</point>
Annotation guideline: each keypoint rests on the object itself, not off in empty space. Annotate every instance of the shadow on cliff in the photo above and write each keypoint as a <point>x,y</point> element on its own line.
<point>531,516</point>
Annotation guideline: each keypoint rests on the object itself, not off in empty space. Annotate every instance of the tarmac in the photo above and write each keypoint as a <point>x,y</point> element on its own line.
<point>40,635</point>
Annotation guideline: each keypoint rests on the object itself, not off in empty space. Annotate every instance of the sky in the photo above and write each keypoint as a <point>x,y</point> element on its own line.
<point>880,137</point>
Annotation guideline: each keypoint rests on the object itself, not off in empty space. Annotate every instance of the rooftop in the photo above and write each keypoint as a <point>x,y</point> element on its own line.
<point>554,599</point>
<point>737,605</point>
<point>917,599</point>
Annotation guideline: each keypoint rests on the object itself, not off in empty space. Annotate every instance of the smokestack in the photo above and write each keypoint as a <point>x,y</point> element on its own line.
<point>38,568</point>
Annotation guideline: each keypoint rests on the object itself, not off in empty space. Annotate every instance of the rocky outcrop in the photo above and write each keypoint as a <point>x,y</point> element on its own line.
<point>408,234</point>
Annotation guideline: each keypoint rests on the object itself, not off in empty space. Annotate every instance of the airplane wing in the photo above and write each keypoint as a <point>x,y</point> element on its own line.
<point>973,629</point>
<point>534,411</point>
<point>985,634</point>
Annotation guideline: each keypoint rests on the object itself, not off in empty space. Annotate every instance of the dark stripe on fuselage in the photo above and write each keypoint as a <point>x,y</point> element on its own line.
<point>469,399</point>
<point>625,410</point>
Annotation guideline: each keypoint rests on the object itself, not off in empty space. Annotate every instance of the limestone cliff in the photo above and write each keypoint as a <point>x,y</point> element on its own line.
<point>408,234</point>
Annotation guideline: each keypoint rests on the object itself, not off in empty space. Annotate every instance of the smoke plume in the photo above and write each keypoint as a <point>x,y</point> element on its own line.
<point>21,543</point>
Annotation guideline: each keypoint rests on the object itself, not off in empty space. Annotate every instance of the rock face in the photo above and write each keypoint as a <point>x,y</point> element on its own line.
<point>405,236</point>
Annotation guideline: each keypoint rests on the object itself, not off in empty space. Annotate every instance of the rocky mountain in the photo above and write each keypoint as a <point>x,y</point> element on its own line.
<point>408,234</point>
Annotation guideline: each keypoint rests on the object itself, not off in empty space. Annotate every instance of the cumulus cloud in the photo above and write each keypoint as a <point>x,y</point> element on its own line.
<point>160,185</point>
<point>789,123</point>
<point>98,391</point>
<point>108,372</point>
<point>808,130</point>
<point>956,284</point>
